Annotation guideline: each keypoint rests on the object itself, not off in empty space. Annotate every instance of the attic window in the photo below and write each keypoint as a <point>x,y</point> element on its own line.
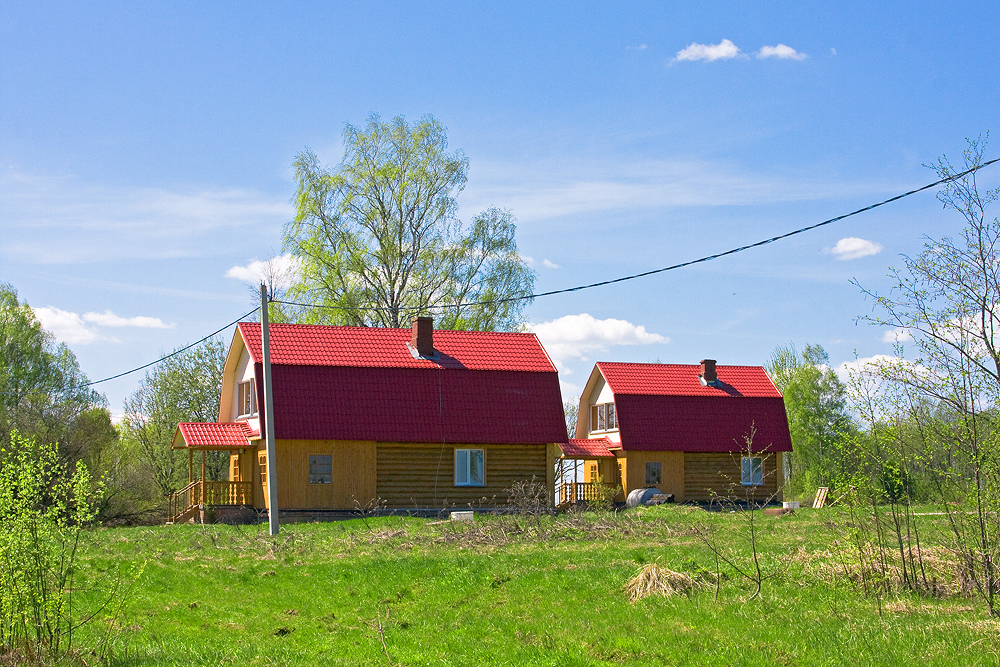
<point>603,417</point>
<point>246,399</point>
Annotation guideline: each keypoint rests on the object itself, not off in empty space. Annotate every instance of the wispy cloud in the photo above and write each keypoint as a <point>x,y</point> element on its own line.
<point>50,220</point>
<point>864,365</point>
<point>780,51</point>
<point>550,265</point>
<point>576,336</point>
<point>724,50</point>
<point>71,328</point>
<point>551,188</point>
<point>640,47</point>
<point>853,248</point>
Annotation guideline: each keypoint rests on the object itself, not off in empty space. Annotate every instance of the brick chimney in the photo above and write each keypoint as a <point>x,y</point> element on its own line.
<point>708,375</point>
<point>423,336</point>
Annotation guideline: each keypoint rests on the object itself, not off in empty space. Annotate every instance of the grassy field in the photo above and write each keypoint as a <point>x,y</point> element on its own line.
<point>518,591</point>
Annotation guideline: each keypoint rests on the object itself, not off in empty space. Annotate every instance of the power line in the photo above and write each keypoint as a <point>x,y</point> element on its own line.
<point>700,260</point>
<point>172,354</point>
<point>566,290</point>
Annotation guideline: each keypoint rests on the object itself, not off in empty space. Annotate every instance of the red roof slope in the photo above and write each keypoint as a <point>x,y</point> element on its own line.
<point>356,383</point>
<point>229,435</point>
<point>664,407</point>
<point>584,448</point>
<point>370,347</point>
<point>682,380</point>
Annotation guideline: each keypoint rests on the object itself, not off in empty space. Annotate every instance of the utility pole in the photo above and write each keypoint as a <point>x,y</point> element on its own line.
<point>272,459</point>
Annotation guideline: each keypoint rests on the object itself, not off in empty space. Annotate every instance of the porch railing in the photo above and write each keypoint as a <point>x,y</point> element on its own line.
<point>208,493</point>
<point>574,492</point>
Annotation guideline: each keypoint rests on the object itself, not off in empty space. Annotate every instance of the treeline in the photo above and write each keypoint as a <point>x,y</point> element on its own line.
<point>45,400</point>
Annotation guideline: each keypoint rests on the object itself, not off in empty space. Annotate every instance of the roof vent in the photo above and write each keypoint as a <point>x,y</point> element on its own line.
<point>708,376</point>
<point>422,341</point>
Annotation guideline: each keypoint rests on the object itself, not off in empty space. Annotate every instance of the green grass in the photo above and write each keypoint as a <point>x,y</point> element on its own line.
<point>503,593</point>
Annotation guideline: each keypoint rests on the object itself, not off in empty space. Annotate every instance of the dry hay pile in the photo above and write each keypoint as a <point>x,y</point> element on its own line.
<point>655,580</point>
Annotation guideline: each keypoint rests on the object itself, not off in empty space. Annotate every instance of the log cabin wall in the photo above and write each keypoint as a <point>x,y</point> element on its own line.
<point>352,484</point>
<point>715,476</point>
<point>414,475</point>
<point>671,472</point>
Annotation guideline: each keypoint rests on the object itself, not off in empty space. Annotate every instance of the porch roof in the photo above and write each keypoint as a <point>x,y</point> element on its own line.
<point>196,435</point>
<point>583,448</point>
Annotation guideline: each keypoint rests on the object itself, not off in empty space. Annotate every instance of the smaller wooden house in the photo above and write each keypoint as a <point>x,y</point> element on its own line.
<point>700,432</point>
<point>409,419</point>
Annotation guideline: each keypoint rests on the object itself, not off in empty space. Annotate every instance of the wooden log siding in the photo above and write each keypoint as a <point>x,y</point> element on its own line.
<point>406,474</point>
<point>721,473</point>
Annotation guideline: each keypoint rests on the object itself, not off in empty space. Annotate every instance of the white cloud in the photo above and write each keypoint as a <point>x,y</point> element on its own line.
<point>52,220</point>
<point>780,51</point>
<point>853,248</point>
<point>550,265</point>
<point>640,47</point>
<point>575,336</point>
<point>67,327</point>
<point>897,335</point>
<point>281,269</point>
<point>109,319</point>
<point>833,51</point>
<point>845,369</point>
<point>71,328</point>
<point>724,50</point>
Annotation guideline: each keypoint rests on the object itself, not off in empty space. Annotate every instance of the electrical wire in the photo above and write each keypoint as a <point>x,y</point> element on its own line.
<point>673,267</point>
<point>172,354</point>
<point>566,290</point>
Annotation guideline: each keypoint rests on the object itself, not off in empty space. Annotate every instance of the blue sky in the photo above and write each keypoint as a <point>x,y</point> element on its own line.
<point>145,152</point>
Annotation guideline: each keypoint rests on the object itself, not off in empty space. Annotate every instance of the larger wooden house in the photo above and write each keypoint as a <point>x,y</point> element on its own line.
<point>412,419</point>
<point>699,432</point>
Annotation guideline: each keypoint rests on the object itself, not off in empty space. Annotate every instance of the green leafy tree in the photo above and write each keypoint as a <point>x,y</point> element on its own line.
<point>185,387</point>
<point>816,403</point>
<point>378,237</point>
<point>43,393</point>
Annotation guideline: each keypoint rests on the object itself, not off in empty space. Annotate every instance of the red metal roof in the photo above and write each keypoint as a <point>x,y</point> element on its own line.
<point>682,380</point>
<point>664,407</point>
<point>584,448</point>
<point>230,435</point>
<point>417,405</point>
<point>370,347</point>
<point>357,383</point>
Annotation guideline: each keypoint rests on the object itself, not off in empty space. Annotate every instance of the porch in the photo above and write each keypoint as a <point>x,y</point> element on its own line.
<point>190,502</point>
<point>201,495</point>
<point>587,472</point>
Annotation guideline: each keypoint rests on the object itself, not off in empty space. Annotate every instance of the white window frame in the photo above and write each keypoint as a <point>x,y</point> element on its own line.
<point>320,477</point>
<point>465,467</point>
<point>242,388</point>
<point>752,470</point>
<point>603,417</point>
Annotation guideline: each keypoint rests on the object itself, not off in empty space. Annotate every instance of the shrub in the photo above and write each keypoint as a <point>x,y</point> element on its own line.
<point>43,506</point>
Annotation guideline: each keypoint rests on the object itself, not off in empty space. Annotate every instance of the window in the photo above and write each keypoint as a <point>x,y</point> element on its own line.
<point>593,472</point>
<point>621,474</point>
<point>752,471</point>
<point>470,467</point>
<point>247,399</point>
<point>320,469</point>
<point>603,417</point>
<point>262,464</point>
<point>654,473</point>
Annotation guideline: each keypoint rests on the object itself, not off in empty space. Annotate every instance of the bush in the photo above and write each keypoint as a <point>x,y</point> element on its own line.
<point>43,506</point>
